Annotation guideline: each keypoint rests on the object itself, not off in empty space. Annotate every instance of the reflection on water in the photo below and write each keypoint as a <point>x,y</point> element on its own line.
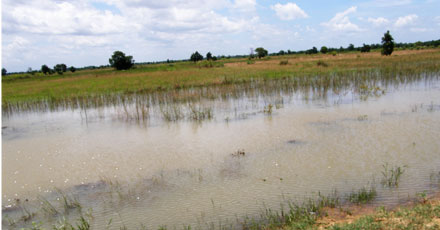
<point>247,156</point>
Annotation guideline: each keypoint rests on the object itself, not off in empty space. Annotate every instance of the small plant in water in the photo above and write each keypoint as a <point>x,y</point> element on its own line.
<point>362,118</point>
<point>423,197</point>
<point>363,196</point>
<point>268,109</point>
<point>239,153</point>
<point>391,175</point>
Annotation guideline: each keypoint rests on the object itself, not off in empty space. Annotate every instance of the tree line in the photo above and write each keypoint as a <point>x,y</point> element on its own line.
<point>120,61</point>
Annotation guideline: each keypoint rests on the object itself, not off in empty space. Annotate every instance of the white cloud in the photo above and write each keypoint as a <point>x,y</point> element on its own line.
<point>387,3</point>
<point>419,30</point>
<point>406,20</point>
<point>380,21</point>
<point>63,17</point>
<point>341,22</point>
<point>245,5</point>
<point>289,11</point>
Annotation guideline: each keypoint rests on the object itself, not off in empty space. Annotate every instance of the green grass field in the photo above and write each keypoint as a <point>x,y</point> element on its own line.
<point>27,88</point>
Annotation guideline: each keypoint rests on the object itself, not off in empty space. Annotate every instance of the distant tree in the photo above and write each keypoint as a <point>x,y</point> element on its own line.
<point>365,48</point>
<point>214,58</point>
<point>387,44</point>
<point>261,52</point>
<point>251,54</point>
<point>30,71</point>
<point>209,56</point>
<point>60,68</point>
<point>324,49</point>
<point>120,62</point>
<point>72,69</point>
<point>350,47</point>
<point>282,52</point>
<point>45,69</point>
<point>4,71</point>
<point>289,51</point>
<point>313,50</point>
<point>195,57</point>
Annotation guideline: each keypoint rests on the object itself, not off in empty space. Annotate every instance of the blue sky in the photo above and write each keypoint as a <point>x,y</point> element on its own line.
<point>87,32</point>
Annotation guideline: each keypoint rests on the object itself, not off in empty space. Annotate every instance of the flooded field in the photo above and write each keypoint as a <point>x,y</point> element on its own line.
<point>210,163</point>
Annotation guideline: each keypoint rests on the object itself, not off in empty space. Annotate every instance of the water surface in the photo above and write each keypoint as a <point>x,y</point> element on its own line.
<point>191,173</point>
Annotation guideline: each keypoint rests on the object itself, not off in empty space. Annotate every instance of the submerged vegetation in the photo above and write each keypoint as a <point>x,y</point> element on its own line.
<point>363,195</point>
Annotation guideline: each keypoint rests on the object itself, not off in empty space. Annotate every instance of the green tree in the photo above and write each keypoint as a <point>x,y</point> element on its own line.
<point>209,56</point>
<point>120,62</point>
<point>387,44</point>
<point>350,47</point>
<point>72,69</point>
<point>45,69</point>
<point>324,49</point>
<point>4,72</point>
<point>60,68</point>
<point>261,52</point>
<point>313,50</point>
<point>196,57</point>
<point>365,48</point>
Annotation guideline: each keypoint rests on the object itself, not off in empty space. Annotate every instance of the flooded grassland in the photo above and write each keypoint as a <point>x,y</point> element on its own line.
<point>219,156</point>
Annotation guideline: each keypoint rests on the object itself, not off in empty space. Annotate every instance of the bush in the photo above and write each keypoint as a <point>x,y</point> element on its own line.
<point>321,63</point>
<point>285,62</point>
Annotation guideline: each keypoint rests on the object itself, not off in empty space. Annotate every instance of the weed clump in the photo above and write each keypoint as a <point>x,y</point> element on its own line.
<point>284,62</point>
<point>322,63</point>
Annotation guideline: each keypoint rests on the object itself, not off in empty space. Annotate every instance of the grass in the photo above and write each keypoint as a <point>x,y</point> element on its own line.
<point>320,212</point>
<point>186,81</point>
<point>422,216</point>
<point>311,215</point>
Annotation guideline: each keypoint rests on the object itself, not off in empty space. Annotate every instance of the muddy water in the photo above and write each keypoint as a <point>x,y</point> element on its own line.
<point>192,173</point>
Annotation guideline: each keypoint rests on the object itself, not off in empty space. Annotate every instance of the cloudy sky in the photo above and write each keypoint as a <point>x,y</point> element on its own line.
<point>86,32</point>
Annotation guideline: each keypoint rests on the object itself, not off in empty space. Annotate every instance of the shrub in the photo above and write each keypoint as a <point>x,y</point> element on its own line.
<point>284,62</point>
<point>321,63</point>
